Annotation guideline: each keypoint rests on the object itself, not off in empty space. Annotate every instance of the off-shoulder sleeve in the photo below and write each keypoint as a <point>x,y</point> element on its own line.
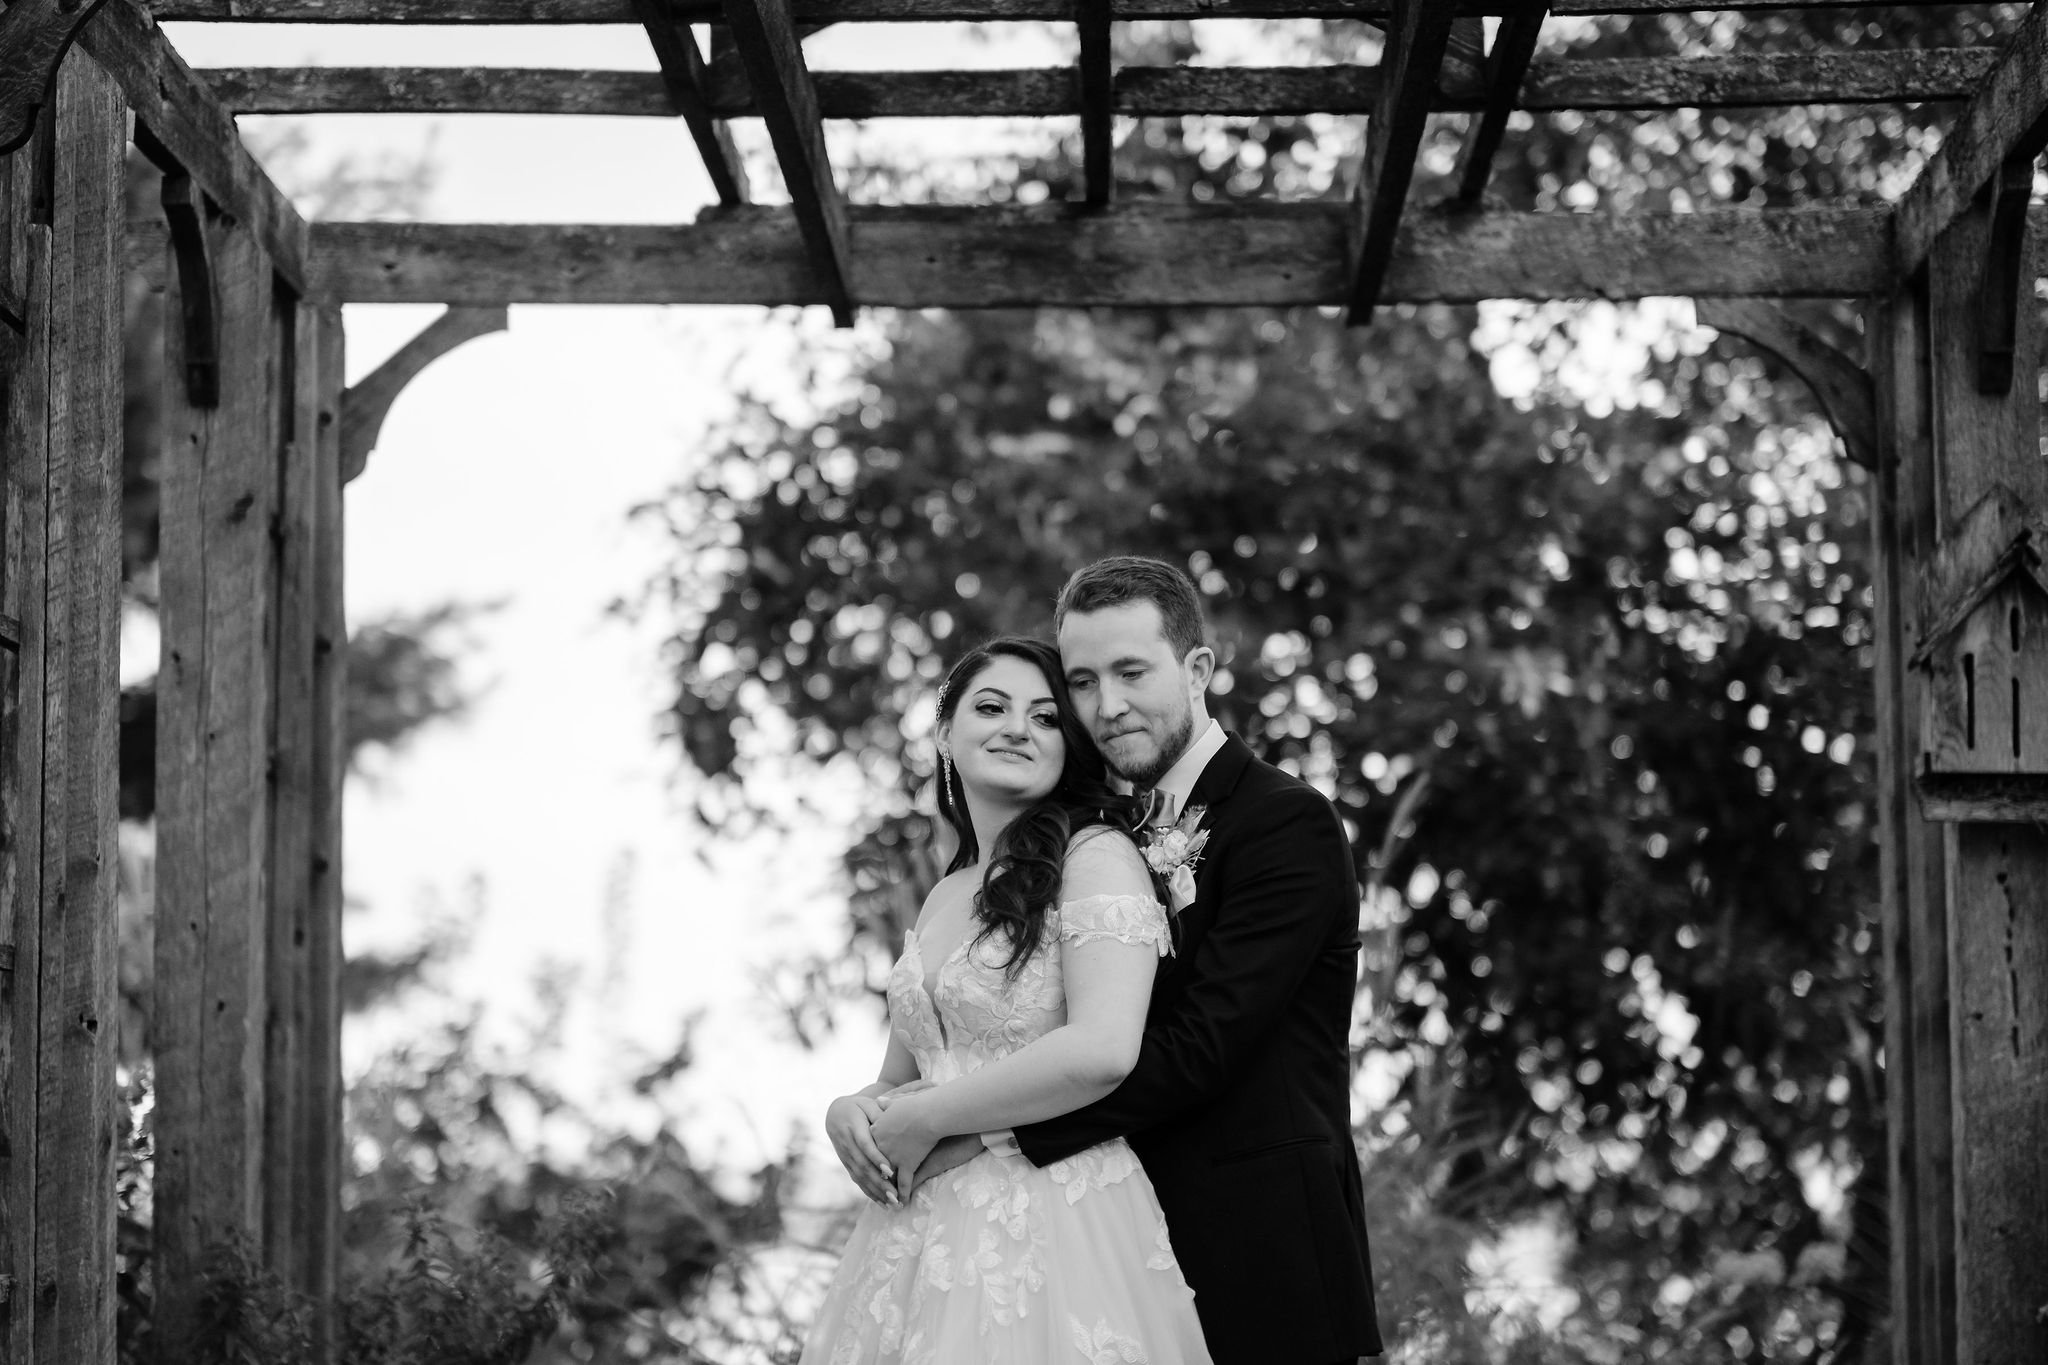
<point>1137,920</point>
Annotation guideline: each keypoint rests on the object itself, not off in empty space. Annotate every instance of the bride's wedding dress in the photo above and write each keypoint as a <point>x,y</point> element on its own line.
<point>998,1261</point>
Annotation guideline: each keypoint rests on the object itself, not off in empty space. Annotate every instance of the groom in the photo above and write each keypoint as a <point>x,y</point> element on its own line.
<point>1239,1105</point>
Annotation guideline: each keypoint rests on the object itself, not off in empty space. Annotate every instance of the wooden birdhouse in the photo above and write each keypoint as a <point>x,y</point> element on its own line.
<point>1985,655</point>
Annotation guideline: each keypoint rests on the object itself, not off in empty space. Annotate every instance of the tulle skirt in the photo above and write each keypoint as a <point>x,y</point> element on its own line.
<point>999,1262</point>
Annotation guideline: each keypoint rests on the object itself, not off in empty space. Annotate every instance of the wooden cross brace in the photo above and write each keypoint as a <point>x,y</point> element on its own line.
<point>185,210</point>
<point>34,36</point>
<point>2005,256</point>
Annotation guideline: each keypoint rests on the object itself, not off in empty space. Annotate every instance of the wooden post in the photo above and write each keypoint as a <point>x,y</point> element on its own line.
<point>1919,1133</point>
<point>62,580</point>
<point>214,742</point>
<point>1997,875</point>
<point>302,1089</point>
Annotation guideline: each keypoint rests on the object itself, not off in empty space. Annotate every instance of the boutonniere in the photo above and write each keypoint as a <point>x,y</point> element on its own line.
<point>1173,852</point>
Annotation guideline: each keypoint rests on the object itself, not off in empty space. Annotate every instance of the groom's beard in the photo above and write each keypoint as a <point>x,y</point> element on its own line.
<point>1170,749</point>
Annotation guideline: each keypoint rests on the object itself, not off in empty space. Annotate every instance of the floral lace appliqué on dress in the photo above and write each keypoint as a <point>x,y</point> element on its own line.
<point>999,1262</point>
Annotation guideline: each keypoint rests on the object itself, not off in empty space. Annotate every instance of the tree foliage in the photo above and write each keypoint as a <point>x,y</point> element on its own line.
<point>1567,607</point>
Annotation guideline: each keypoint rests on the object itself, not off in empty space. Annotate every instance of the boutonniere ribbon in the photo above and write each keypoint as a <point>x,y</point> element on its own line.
<point>1173,852</point>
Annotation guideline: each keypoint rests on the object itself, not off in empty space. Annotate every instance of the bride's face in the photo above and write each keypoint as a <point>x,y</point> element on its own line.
<point>1005,734</point>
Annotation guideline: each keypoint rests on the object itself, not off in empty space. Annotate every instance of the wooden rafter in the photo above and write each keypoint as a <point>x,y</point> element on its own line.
<point>1902,76</point>
<point>1414,56</point>
<point>897,11</point>
<point>768,44</point>
<point>1098,99</point>
<point>181,126</point>
<point>1132,255</point>
<point>1514,45</point>
<point>2007,121</point>
<point>684,83</point>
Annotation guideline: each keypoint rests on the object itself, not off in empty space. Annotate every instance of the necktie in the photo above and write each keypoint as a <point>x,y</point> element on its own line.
<point>1160,806</point>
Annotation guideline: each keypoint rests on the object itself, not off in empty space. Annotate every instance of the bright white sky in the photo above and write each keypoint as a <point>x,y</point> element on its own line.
<point>505,473</point>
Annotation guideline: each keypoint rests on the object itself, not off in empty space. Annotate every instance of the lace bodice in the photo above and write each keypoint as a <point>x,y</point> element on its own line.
<point>975,1014</point>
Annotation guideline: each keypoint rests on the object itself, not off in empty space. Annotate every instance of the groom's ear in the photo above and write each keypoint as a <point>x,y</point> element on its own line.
<point>1201,667</point>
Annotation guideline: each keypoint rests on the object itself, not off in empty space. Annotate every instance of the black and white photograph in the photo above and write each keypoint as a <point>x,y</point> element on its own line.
<point>1023,682</point>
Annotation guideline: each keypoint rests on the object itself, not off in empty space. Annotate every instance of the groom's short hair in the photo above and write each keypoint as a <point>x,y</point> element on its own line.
<point>1123,579</point>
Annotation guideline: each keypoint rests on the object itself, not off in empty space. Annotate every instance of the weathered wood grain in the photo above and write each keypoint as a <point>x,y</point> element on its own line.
<point>34,36</point>
<point>1139,91</point>
<point>300,1119</point>
<point>1843,387</point>
<point>2008,119</point>
<point>319,1161</point>
<point>1880,76</point>
<point>1998,963</point>
<point>685,83</point>
<point>887,11</point>
<point>1097,85</point>
<point>73,1289</point>
<point>366,403</point>
<point>24,460</point>
<point>219,479</point>
<point>1913,861</point>
<point>1981,442</point>
<point>180,125</point>
<point>1514,46</point>
<point>1416,38</point>
<point>765,35</point>
<point>1135,255</point>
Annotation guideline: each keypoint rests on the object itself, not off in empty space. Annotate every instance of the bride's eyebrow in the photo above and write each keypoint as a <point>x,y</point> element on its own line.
<point>1038,701</point>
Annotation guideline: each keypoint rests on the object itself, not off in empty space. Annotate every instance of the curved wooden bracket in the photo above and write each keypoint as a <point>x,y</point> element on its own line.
<point>185,211</point>
<point>1998,293</point>
<point>365,404</point>
<point>1846,394</point>
<point>34,36</point>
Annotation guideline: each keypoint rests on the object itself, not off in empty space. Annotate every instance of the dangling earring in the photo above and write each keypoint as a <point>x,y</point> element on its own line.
<point>946,769</point>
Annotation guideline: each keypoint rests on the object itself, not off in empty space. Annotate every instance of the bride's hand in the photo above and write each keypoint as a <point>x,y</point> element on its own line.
<point>907,1088</point>
<point>904,1139</point>
<point>849,1123</point>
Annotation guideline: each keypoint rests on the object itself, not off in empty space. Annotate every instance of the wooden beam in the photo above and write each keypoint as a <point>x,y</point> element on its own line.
<point>1843,387</point>
<point>1905,76</point>
<point>34,36</point>
<point>1414,56</point>
<point>684,84</point>
<point>521,12</point>
<point>1131,255</point>
<point>2008,120</point>
<point>181,127</point>
<point>368,401</point>
<point>1514,45</point>
<point>766,37</point>
<point>1098,100</point>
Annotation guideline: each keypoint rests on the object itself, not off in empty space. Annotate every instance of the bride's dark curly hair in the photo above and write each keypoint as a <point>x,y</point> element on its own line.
<point>1022,881</point>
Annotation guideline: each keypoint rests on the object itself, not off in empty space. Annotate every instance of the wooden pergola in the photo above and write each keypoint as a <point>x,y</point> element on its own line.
<point>261,436</point>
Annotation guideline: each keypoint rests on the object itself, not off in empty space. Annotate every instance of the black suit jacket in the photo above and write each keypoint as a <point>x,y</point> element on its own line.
<point>1239,1105</point>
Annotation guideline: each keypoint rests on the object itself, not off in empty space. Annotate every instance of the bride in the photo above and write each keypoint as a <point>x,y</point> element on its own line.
<point>1020,995</point>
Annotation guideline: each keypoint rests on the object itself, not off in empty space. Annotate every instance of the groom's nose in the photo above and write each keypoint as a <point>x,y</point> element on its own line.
<point>1109,704</point>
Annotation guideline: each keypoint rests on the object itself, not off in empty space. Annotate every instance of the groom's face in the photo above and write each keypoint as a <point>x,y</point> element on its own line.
<point>1135,695</point>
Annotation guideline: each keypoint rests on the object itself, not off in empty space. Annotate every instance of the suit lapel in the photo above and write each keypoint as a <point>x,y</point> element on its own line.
<point>1218,780</point>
